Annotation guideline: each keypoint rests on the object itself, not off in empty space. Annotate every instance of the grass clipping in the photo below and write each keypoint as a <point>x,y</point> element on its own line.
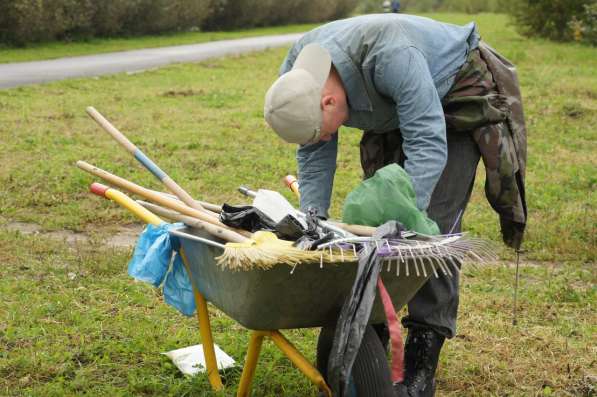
<point>264,250</point>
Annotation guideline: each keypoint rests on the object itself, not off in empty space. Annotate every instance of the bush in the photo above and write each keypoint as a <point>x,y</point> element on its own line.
<point>472,6</point>
<point>229,14</point>
<point>467,6</point>
<point>552,19</point>
<point>24,21</point>
<point>31,20</point>
<point>584,27</point>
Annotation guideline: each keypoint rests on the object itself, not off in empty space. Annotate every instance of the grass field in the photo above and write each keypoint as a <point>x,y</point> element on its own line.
<point>72,321</point>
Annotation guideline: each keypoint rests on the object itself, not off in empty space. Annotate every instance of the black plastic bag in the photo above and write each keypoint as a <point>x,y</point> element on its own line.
<point>246,217</point>
<point>356,311</point>
<point>289,228</point>
<point>352,321</point>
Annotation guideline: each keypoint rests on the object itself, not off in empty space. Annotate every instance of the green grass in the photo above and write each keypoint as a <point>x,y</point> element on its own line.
<point>102,333</point>
<point>57,49</point>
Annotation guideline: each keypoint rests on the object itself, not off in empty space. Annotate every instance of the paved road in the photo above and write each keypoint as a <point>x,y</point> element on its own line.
<point>23,73</point>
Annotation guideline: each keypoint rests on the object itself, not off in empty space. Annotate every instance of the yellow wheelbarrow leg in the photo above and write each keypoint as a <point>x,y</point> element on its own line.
<point>289,351</point>
<point>244,386</point>
<point>300,361</point>
<point>209,352</point>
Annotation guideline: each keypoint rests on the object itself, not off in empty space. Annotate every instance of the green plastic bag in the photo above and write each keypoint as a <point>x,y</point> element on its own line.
<point>388,195</point>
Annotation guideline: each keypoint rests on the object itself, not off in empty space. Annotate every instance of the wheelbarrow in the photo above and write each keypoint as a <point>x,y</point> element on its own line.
<point>281,297</point>
<point>307,296</point>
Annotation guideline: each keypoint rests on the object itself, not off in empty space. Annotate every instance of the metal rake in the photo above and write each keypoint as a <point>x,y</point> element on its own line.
<point>414,253</point>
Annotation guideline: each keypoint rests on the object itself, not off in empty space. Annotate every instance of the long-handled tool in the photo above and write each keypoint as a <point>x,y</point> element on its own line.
<point>226,233</point>
<point>144,159</point>
<point>210,353</point>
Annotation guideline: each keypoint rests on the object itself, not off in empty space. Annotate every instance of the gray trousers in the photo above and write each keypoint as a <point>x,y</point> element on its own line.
<point>435,305</point>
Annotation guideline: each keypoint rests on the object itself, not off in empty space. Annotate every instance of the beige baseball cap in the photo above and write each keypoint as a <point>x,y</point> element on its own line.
<point>292,104</point>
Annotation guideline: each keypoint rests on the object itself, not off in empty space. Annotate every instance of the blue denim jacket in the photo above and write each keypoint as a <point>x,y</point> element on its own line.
<point>395,69</point>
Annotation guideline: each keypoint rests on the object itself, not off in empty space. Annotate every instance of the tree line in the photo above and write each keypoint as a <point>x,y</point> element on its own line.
<point>29,21</point>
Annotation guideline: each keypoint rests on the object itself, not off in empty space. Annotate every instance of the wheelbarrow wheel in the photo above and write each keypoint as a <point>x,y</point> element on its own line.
<point>370,371</point>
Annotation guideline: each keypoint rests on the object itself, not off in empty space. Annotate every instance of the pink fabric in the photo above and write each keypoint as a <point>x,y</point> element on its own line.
<point>396,343</point>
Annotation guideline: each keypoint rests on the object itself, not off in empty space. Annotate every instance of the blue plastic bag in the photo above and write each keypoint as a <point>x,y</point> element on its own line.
<point>156,249</point>
<point>178,291</point>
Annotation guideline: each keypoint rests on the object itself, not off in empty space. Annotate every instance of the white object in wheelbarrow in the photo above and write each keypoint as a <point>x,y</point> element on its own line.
<point>191,360</point>
<point>274,205</point>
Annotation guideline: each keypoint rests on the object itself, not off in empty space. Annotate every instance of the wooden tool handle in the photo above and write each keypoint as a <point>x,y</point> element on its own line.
<point>359,230</point>
<point>155,197</point>
<point>292,183</point>
<point>214,208</point>
<point>143,159</point>
<point>194,222</point>
<point>110,129</point>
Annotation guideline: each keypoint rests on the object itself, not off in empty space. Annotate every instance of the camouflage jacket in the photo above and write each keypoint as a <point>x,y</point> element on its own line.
<point>489,106</point>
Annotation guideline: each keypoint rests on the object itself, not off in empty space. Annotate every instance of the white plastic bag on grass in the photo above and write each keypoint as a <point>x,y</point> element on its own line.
<point>190,360</point>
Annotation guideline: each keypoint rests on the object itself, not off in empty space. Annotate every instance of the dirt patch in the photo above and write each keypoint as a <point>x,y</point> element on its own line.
<point>174,93</point>
<point>125,237</point>
<point>122,237</point>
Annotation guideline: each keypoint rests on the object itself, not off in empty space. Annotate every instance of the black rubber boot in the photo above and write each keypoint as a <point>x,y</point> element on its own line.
<point>421,355</point>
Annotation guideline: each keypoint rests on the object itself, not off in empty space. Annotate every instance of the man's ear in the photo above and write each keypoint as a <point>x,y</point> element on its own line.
<point>327,101</point>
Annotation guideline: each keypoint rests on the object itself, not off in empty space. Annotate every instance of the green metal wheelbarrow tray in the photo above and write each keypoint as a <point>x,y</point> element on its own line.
<point>265,301</point>
<point>282,297</point>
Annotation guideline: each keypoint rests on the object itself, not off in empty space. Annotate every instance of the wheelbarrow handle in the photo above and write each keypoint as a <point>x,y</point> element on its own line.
<point>125,201</point>
<point>143,159</point>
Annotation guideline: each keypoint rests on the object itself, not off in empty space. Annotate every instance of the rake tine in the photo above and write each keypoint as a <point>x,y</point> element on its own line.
<point>400,254</point>
<point>439,265</point>
<point>406,269</point>
<point>434,270</point>
<point>441,259</point>
<point>474,255</point>
<point>446,266</point>
<point>397,268</point>
<point>417,269</point>
<point>424,270</point>
<point>454,265</point>
<point>321,259</point>
<point>458,255</point>
<point>389,264</point>
<point>410,252</point>
<point>418,257</point>
<point>482,247</point>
